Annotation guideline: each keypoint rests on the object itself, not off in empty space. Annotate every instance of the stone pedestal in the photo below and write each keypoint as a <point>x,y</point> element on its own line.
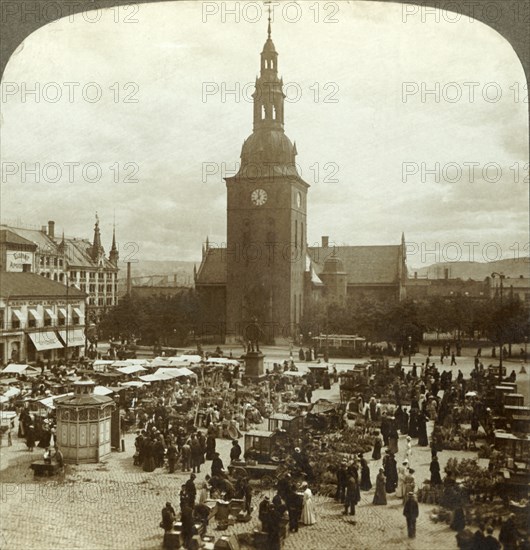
<point>254,364</point>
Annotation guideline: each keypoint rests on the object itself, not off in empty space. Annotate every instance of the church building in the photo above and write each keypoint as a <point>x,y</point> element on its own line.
<point>266,275</point>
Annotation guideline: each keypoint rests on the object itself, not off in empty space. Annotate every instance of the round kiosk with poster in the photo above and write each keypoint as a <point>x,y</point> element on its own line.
<point>83,424</point>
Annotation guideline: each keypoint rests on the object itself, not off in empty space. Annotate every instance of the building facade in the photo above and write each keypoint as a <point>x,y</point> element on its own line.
<point>267,275</point>
<point>71,261</point>
<point>40,319</point>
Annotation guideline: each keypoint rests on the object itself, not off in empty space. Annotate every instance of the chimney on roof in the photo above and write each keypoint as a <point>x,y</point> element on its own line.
<point>51,229</point>
<point>43,229</point>
<point>325,242</point>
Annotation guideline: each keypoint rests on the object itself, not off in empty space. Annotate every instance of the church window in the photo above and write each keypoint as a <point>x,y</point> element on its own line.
<point>273,112</point>
<point>262,112</point>
<point>296,233</point>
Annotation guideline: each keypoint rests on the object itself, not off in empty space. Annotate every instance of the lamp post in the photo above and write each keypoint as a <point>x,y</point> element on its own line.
<point>501,344</point>
<point>410,347</point>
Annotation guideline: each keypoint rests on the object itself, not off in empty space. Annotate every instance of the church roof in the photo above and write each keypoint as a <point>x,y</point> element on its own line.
<point>213,267</point>
<point>363,264</point>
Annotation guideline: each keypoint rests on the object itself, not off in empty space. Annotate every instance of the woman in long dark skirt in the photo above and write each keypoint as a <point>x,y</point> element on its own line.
<point>148,455</point>
<point>380,492</point>
<point>210,446</point>
<point>378,444</point>
<point>390,469</point>
<point>366,483</point>
<point>423,441</point>
<point>435,471</point>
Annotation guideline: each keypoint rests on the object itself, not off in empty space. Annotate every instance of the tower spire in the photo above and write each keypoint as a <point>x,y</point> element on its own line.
<point>269,26</point>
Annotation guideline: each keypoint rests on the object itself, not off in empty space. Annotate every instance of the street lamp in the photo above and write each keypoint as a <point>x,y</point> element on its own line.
<point>501,344</point>
<point>410,347</point>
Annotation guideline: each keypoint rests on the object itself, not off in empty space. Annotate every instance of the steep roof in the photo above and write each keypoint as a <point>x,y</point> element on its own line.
<point>363,264</point>
<point>213,267</point>
<point>14,284</point>
<point>77,253</point>
<point>43,241</point>
<point>8,236</point>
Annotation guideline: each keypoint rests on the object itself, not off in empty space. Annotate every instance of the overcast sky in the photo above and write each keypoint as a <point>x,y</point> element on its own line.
<point>165,60</point>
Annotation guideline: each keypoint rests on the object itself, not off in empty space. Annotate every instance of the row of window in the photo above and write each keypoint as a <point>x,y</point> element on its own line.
<point>54,276</point>
<point>50,261</point>
<point>92,275</point>
<point>100,301</point>
<point>47,322</point>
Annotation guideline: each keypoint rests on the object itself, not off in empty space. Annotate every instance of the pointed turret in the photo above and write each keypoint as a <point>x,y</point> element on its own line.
<point>96,250</point>
<point>114,255</point>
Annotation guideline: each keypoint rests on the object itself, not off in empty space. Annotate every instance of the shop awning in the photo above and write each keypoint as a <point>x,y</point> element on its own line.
<point>62,312</point>
<point>51,314</point>
<point>35,314</point>
<point>18,314</point>
<point>79,314</point>
<point>45,340</point>
<point>76,337</point>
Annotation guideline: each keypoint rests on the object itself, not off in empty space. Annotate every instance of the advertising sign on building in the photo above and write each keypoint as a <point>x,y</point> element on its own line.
<point>15,260</point>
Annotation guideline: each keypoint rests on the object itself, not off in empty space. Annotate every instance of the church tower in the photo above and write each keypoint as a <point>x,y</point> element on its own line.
<point>266,221</point>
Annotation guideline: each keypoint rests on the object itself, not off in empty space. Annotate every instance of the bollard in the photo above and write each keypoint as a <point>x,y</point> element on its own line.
<point>123,445</point>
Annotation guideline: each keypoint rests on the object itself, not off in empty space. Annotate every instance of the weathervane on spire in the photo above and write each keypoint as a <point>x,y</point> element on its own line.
<point>97,219</point>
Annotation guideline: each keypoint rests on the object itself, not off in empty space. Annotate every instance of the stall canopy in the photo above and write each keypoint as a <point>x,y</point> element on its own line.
<point>102,390</point>
<point>155,377</point>
<point>188,358</point>
<point>100,365</point>
<point>45,340</point>
<point>48,402</point>
<point>76,337</point>
<point>17,369</point>
<point>222,361</point>
<point>176,373</point>
<point>130,363</point>
<point>11,392</point>
<point>135,384</point>
<point>131,369</point>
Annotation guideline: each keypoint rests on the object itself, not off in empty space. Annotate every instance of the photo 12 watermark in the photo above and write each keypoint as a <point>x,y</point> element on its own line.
<point>68,172</point>
<point>255,12</point>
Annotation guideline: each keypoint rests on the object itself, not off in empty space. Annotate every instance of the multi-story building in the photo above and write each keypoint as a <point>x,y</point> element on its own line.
<point>40,319</point>
<point>71,261</point>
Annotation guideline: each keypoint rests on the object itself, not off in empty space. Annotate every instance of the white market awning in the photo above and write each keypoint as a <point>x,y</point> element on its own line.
<point>175,372</point>
<point>16,369</point>
<point>48,402</point>
<point>76,337</point>
<point>131,369</point>
<point>45,340</point>
<point>102,390</point>
<point>155,377</point>
<point>135,384</point>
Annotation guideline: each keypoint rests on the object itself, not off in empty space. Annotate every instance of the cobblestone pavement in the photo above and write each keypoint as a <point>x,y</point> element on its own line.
<point>115,505</point>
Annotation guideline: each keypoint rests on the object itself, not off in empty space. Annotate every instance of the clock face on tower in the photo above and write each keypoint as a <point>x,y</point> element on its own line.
<point>258,197</point>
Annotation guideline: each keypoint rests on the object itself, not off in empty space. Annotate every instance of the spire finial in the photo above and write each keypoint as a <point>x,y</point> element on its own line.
<point>269,26</point>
